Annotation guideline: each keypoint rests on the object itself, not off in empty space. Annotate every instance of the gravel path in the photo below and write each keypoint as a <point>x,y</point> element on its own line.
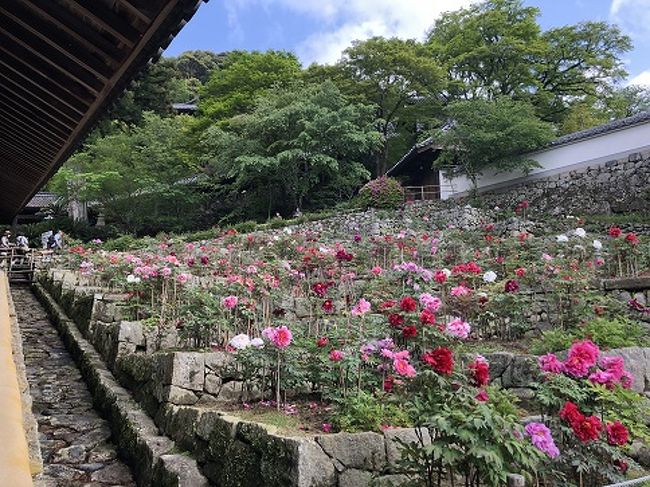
<point>75,440</point>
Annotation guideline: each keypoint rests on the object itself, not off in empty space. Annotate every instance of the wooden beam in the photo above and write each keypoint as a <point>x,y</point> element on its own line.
<point>46,116</point>
<point>37,92</point>
<point>91,83</point>
<point>10,109</point>
<point>39,152</point>
<point>133,10</point>
<point>26,60</point>
<point>73,51</point>
<point>24,161</point>
<point>21,147</point>
<point>47,86</point>
<point>69,125</point>
<point>68,23</point>
<point>106,19</point>
<point>36,135</point>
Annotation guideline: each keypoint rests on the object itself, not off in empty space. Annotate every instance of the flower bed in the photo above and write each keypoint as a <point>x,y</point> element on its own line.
<point>386,328</point>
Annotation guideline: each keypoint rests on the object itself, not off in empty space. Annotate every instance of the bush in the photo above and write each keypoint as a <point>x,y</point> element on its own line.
<point>606,333</point>
<point>367,412</point>
<point>383,192</point>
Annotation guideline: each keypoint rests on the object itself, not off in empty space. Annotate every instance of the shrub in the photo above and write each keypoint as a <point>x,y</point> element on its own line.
<point>383,192</point>
<point>367,412</point>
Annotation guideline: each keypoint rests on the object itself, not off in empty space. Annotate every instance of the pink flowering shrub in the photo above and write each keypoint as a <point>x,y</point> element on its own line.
<point>383,192</point>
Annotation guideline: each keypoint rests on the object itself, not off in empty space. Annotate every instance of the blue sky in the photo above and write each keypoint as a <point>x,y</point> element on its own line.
<point>317,30</point>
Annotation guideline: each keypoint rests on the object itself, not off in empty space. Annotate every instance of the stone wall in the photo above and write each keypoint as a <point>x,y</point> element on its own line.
<point>618,186</point>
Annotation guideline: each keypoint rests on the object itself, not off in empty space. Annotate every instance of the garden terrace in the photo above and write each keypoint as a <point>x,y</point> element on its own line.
<point>63,63</point>
<point>343,325</point>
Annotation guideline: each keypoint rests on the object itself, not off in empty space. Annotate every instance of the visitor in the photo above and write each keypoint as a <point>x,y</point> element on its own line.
<point>51,241</point>
<point>45,237</point>
<point>58,239</point>
<point>5,241</point>
<point>22,242</point>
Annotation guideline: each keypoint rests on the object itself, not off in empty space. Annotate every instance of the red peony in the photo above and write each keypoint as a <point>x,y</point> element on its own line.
<point>322,342</point>
<point>387,305</point>
<point>622,465</point>
<point>441,360</point>
<point>615,232</point>
<point>440,277</point>
<point>588,429</point>
<point>617,433</point>
<point>427,317</point>
<point>520,271</point>
<point>481,370</point>
<point>328,306</point>
<point>632,238</point>
<point>512,286</point>
<point>396,319</point>
<point>389,383</point>
<point>408,304</point>
<point>409,331</point>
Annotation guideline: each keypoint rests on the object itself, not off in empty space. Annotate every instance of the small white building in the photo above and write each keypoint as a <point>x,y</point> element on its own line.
<point>593,147</point>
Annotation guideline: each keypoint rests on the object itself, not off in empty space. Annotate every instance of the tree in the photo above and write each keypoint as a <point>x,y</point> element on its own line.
<point>397,76</point>
<point>297,145</point>
<point>490,134</point>
<point>243,76</point>
<point>199,65</point>
<point>135,174</point>
<point>496,48</point>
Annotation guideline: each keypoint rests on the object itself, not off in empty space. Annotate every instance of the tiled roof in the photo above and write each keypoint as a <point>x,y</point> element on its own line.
<point>42,199</point>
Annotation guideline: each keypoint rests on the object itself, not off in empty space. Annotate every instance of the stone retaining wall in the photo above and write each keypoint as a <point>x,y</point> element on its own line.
<point>618,186</point>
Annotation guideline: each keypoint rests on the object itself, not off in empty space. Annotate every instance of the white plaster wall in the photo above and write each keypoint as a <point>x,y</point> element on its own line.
<point>593,151</point>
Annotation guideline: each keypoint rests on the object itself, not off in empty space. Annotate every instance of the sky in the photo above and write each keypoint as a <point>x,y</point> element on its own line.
<point>318,30</point>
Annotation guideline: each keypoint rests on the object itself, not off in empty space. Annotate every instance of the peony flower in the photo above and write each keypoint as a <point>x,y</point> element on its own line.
<point>183,278</point>
<point>336,355</point>
<point>165,272</point>
<point>376,270</point>
<point>429,302</point>
<point>597,244</point>
<point>326,427</point>
<point>361,308</point>
<point>240,342</point>
<point>582,356</point>
<point>282,337</point>
<point>230,302</point>
<point>460,290</point>
<point>570,413</point>
<point>328,306</point>
<point>408,304</point>
<point>632,238</point>
<point>458,328</point>
<point>562,238</point>
<point>615,232</point>
<point>131,279</point>
<point>580,232</point>
<point>427,317</point>
<point>441,360</point>
<point>395,319</point>
<point>588,429</point>
<point>409,331</point>
<point>540,437</point>
<point>403,367</point>
<point>511,286</point>
<point>550,363</point>
<point>489,276</point>
<point>617,433</point>
<point>257,342</point>
<point>481,371</point>
<point>322,342</point>
<point>482,396</point>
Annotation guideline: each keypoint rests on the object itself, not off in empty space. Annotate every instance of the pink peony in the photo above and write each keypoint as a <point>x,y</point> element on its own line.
<point>230,302</point>
<point>282,337</point>
<point>583,355</point>
<point>336,355</point>
<point>460,290</point>
<point>541,438</point>
<point>550,363</point>
<point>458,328</point>
<point>403,367</point>
<point>183,278</point>
<point>361,308</point>
<point>429,302</point>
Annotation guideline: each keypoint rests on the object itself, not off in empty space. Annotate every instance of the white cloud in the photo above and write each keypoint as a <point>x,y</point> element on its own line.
<point>633,16</point>
<point>641,79</point>
<point>347,20</point>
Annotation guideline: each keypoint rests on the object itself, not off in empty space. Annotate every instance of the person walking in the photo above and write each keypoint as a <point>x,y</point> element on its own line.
<point>45,237</point>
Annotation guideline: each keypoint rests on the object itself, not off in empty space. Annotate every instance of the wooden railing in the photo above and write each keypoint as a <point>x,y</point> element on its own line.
<point>20,264</point>
<point>428,192</point>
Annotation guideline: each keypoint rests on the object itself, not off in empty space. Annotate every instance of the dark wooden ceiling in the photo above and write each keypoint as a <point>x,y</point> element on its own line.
<point>62,62</point>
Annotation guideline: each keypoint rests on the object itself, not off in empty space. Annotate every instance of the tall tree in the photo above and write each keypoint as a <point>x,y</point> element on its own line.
<point>398,77</point>
<point>496,48</point>
<point>298,144</point>
<point>489,134</point>
<point>243,76</point>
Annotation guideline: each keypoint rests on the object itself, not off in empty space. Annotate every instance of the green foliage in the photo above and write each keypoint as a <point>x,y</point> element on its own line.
<point>606,333</point>
<point>480,441</point>
<point>383,192</point>
<point>299,142</point>
<point>363,411</point>
<point>492,134</point>
<point>241,78</point>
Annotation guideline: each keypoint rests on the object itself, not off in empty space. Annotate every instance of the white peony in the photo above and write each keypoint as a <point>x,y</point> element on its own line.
<point>598,245</point>
<point>446,272</point>
<point>562,238</point>
<point>240,342</point>
<point>257,342</point>
<point>580,232</point>
<point>490,276</point>
<point>131,279</point>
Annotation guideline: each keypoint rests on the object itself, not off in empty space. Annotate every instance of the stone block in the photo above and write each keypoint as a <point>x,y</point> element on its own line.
<point>393,437</point>
<point>315,468</point>
<point>182,369</point>
<point>523,371</point>
<point>499,362</point>
<point>355,478</point>
<point>365,451</point>
<point>637,361</point>
<point>179,396</point>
